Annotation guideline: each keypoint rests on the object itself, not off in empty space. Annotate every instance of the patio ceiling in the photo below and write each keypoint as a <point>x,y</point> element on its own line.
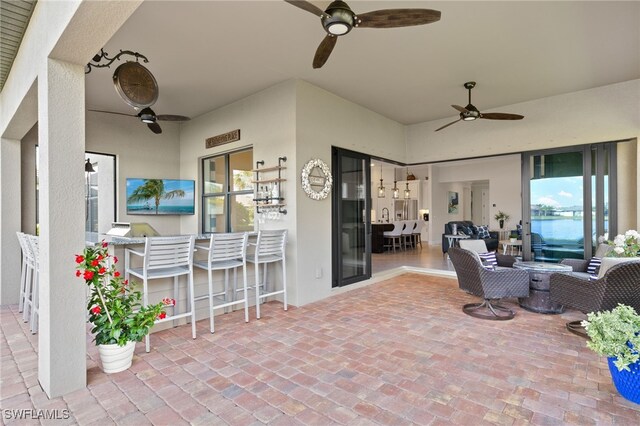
<point>208,54</point>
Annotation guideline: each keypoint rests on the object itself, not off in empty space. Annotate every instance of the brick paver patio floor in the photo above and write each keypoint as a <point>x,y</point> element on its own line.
<point>396,352</point>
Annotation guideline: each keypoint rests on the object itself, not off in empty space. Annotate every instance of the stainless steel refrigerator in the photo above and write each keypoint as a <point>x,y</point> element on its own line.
<point>405,209</point>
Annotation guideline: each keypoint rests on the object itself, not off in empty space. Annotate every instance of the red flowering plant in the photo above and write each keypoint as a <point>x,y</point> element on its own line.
<point>114,307</point>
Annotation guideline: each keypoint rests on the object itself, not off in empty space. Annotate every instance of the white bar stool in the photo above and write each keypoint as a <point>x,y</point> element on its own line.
<point>269,248</point>
<point>27,265</point>
<point>395,235</point>
<point>417,233</point>
<point>226,251</point>
<point>30,295</point>
<point>166,257</point>
<point>407,233</point>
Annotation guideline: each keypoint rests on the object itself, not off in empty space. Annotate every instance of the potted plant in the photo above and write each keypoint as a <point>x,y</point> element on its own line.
<point>501,217</point>
<point>119,320</point>
<point>615,334</point>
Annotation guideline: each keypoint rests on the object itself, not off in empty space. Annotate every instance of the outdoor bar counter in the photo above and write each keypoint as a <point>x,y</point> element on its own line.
<point>161,288</point>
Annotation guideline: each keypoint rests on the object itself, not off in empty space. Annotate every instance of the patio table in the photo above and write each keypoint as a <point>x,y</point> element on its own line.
<point>539,299</point>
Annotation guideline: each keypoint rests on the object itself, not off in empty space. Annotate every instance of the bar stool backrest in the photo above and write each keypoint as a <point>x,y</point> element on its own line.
<point>223,247</point>
<point>270,245</point>
<point>34,247</point>
<point>398,226</point>
<point>168,252</point>
<point>408,229</point>
<point>25,246</point>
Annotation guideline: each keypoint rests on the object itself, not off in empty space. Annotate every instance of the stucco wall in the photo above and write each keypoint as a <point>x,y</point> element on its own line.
<point>325,120</point>
<point>503,175</point>
<point>139,154</point>
<point>267,123</point>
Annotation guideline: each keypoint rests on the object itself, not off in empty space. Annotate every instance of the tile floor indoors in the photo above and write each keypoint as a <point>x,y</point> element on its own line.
<point>425,256</point>
<point>396,352</point>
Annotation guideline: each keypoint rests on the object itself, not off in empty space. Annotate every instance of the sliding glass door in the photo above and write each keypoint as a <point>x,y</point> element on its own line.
<point>567,201</point>
<point>351,222</point>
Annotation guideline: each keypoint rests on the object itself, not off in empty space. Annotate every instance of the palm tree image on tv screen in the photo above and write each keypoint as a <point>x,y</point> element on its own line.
<point>160,196</point>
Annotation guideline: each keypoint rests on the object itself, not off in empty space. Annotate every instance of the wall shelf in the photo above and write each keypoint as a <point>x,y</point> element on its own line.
<point>268,180</point>
<point>265,199</point>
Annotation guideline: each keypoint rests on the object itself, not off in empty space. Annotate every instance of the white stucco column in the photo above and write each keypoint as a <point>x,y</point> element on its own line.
<point>61,136</point>
<point>9,221</point>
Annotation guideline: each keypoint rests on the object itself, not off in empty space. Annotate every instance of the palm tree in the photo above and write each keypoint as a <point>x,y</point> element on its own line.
<point>153,188</point>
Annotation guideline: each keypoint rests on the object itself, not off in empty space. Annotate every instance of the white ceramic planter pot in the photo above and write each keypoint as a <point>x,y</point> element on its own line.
<point>116,358</point>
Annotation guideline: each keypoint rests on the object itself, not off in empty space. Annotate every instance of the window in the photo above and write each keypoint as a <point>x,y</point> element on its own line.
<point>99,191</point>
<point>227,192</point>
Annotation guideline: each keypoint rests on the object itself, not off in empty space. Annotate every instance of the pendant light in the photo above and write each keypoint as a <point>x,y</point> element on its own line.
<point>407,191</point>
<point>396,191</point>
<point>381,189</point>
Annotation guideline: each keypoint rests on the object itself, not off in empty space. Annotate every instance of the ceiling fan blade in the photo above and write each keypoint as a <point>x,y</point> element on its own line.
<point>324,50</point>
<point>447,125</point>
<point>305,5</point>
<point>501,116</point>
<point>459,108</point>
<point>155,128</point>
<point>170,117</point>
<point>393,18</point>
<point>112,112</point>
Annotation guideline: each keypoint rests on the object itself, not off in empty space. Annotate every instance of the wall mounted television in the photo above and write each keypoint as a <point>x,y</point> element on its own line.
<point>160,196</point>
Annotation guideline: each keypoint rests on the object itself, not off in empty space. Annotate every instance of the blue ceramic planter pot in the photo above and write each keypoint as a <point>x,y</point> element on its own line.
<point>626,382</point>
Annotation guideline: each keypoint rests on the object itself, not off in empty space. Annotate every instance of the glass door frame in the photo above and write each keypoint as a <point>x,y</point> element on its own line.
<point>587,173</point>
<point>337,279</point>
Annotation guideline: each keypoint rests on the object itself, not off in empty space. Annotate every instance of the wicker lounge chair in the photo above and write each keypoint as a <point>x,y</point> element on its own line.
<point>620,284</point>
<point>488,284</point>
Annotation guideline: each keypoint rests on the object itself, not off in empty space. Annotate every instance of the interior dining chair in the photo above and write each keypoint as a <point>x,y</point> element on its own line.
<point>225,252</point>
<point>165,257</point>
<point>269,248</point>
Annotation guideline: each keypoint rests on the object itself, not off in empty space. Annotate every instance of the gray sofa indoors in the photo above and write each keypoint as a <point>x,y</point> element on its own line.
<point>491,242</point>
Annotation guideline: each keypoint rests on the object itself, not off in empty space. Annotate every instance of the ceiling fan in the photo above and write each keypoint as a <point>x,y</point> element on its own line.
<point>149,117</point>
<point>339,19</point>
<point>470,112</point>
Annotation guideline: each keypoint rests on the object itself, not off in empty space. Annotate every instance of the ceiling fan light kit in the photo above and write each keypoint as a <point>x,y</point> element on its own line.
<point>147,115</point>
<point>471,113</point>
<point>338,19</point>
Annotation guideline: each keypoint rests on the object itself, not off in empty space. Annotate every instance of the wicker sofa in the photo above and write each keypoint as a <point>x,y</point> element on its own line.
<point>491,242</point>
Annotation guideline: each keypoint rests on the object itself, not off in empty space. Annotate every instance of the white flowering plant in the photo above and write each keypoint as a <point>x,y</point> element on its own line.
<point>624,245</point>
<point>615,333</point>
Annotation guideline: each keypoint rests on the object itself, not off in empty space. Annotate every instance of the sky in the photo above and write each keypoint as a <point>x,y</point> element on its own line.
<point>557,192</point>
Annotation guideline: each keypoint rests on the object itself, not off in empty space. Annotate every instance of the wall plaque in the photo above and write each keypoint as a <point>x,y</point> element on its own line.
<point>222,139</point>
<point>317,186</point>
